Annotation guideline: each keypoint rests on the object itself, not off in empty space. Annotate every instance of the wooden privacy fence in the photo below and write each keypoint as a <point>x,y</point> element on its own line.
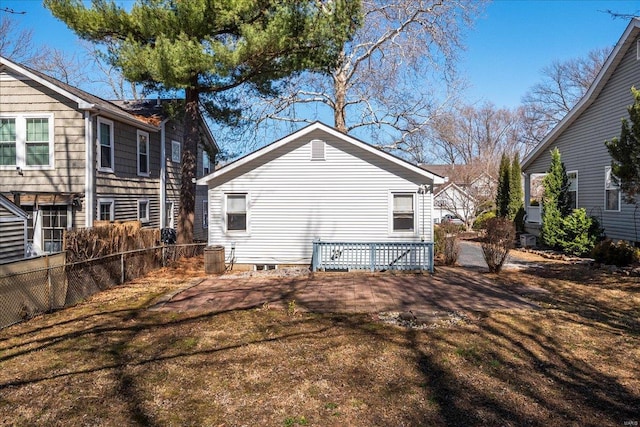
<point>347,256</point>
<point>45,285</point>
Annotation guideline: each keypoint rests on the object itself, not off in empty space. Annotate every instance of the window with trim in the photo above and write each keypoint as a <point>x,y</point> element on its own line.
<point>573,189</point>
<point>143,153</point>
<point>106,210</point>
<point>236,212</point>
<point>54,223</point>
<point>611,191</point>
<point>176,151</point>
<point>205,214</point>
<point>8,142</point>
<point>206,163</point>
<point>143,211</point>
<point>26,141</point>
<point>403,213</point>
<point>105,145</point>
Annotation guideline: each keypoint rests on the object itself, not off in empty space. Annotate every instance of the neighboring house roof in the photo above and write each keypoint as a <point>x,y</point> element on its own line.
<point>614,59</point>
<point>152,111</point>
<point>264,151</point>
<point>461,175</point>
<point>11,207</point>
<point>85,100</point>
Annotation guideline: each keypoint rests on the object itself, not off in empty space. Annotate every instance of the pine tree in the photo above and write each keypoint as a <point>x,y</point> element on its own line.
<point>209,48</point>
<point>625,152</point>
<point>556,204</point>
<point>504,187</point>
<point>516,194</point>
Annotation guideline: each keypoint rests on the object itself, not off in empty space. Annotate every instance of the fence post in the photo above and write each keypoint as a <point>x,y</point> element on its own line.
<point>430,257</point>
<point>314,255</point>
<point>122,275</point>
<point>49,286</point>
<point>372,256</point>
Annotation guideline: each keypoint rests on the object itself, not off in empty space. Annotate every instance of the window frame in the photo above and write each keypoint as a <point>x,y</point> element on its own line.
<point>176,153</point>
<point>110,124</point>
<point>205,156</point>
<point>147,215</point>
<point>140,133</point>
<point>610,186</point>
<point>569,173</point>
<point>21,142</point>
<point>392,212</point>
<point>205,214</point>
<point>244,231</point>
<point>8,143</point>
<point>112,209</point>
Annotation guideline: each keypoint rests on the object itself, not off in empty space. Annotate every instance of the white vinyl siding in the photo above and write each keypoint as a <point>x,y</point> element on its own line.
<point>26,141</point>
<point>105,145</point>
<point>291,201</point>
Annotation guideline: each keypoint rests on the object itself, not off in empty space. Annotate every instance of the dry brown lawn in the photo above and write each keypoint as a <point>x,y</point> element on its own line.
<point>110,361</point>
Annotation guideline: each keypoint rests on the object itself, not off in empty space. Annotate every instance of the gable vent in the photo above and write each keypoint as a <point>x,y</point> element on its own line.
<point>317,149</point>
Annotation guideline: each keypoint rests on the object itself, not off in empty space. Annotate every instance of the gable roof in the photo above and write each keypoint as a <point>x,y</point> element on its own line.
<point>333,132</point>
<point>462,174</point>
<point>85,100</point>
<point>610,65</point>
<point>12,207</point>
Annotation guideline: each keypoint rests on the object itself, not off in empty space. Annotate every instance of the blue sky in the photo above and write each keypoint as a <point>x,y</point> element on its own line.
<point>506,50</point>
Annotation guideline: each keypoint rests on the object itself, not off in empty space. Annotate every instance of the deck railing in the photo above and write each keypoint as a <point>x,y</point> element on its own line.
<point>347,256</point>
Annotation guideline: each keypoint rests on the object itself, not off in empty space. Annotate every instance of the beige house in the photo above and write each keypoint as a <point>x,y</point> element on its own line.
<point>69,158</point>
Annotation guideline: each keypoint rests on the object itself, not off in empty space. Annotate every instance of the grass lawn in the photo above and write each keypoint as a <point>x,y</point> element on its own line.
<point>110,361</point>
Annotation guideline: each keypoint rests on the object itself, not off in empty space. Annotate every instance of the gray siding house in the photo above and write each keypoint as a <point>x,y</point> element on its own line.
<point>13,231</point>
<point>580,137</point>
<point>69,158</point>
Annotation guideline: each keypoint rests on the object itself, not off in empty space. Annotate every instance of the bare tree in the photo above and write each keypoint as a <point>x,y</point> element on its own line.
<point>17,43</point>
<point>476,135</point>
<point>391,80</point>
<point>563,84</point>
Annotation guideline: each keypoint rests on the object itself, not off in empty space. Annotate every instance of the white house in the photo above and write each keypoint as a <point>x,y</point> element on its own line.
<point>580,137</point>
<point>268,207</point>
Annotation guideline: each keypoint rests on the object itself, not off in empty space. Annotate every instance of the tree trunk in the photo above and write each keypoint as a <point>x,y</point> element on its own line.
<point>339,108</point>
<point>188,167</point>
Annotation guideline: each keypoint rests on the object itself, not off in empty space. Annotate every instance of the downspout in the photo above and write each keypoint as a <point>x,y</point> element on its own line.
<point>89,170</point>
<point>163,174</point>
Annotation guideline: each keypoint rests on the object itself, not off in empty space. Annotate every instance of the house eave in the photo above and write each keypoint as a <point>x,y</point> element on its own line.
<point>614,59</point>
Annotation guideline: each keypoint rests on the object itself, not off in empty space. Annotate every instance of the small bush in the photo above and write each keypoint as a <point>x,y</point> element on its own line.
<point>481,221</point>
<point>501,234</point>
<point>620,254</point>
<point>446,243</point>
<point>578,238</point>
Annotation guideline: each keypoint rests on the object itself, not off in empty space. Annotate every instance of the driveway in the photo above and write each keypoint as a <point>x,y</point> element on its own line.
<point>450,289</point>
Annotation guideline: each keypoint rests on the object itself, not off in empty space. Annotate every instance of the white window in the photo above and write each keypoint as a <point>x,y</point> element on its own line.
<point>143,153</point>
<point>170,214</point>
<point>143,210</point>
<point>206,163</point>
<point>611,191</point>
<point>105,145</point>
<point>317,150</point>
<point>106,209</point>
<point>176,151</point>
<point>403,213</point>
<point>26,141</point>
<point>236,216</point>
<point>573,189</point>
<point>205,214</point>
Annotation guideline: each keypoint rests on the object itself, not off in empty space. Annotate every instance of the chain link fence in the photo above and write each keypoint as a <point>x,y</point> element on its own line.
<point>26,294</point>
